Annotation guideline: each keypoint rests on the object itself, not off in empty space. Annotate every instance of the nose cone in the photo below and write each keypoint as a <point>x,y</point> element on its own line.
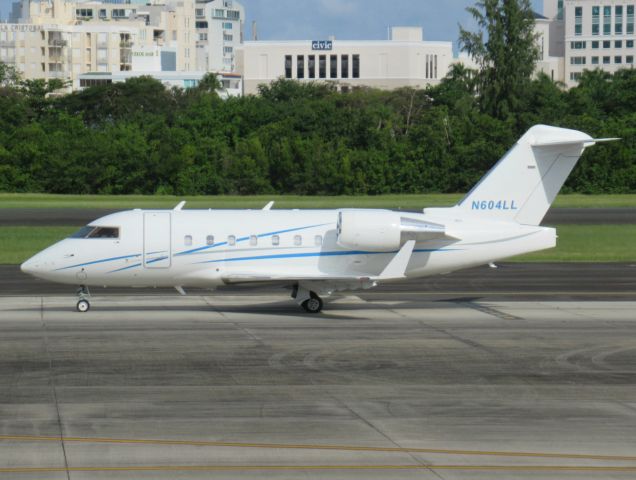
<point>30,266</point>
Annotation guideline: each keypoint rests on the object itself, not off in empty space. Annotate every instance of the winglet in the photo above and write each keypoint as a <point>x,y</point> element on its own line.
<point>397,266</point>
<point>180,206</point>
<point>269,206</point>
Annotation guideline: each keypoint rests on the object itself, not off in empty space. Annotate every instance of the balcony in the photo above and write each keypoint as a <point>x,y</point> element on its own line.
<point>57,42</point>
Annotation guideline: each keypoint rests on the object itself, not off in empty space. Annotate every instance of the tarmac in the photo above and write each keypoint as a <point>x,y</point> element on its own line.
<point>526,371</point>
<point>79,216</point>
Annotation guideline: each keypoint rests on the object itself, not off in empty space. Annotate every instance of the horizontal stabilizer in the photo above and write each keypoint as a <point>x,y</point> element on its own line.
<point>586,143</point>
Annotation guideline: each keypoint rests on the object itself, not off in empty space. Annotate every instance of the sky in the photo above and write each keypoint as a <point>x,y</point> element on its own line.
<point>350,19</point>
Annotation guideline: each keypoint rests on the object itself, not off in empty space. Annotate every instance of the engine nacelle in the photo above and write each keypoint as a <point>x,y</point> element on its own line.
<point>370,230</point>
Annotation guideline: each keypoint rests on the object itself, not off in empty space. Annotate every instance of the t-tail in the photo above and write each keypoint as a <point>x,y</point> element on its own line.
<point>524,183</point>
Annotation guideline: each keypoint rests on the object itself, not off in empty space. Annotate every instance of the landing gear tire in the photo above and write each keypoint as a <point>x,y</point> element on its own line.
<point>83,306</point>
<point>313,304</point>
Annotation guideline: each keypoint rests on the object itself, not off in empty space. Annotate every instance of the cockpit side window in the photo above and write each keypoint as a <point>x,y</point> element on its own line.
<point>96,232</point>
<point>104,232</point>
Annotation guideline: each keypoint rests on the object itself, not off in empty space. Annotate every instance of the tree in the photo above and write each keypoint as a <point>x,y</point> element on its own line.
<point>506,50</point>
<point>9,76</point>
<point>209,83</point>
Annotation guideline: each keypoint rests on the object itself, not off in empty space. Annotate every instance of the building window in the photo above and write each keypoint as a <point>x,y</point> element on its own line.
<point>355,67</point>
<point>227,25</point>
<point>618,59</point>
<point>618,20</point>
<point>118,13</point>
<point>219,13</point>
<point>575,76</point>
<point>228,38</point>
<point>596,11</point>
<point>629,44</point>
<point>578,20</point>
<point>607,44</point>
<point>333,66</point>
<point>233,14</point>
<point>288,66</point>
<point>300,66</point>
<point>203,37</point>
<point>595,44</point>
<point>630,20</point>
<point>594,60</point>
<point>84,13</point>
<point>607,20</point>
<point>199,12</point>
<point>629,59</point>
<point>209,240</point>
<point>618,44</point>
<point>322,66</point>
<point>187,240</point>
<point>560,9</point>
<point>275,240</point>
<point>103,14</point>
<point>253,240</point>
<point>606,60</point>
<point>298,240</point>
<point>231,240</point>
<point>578,45</point>
<point>228,50</point>
<point>344,66</point>
<point>311,67</point>
<point>577,60</point>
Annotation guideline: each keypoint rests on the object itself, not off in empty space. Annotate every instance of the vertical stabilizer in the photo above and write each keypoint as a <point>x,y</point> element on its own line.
<point>524,183</point>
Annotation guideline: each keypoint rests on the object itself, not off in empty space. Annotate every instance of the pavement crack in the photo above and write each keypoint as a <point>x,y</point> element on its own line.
<point>53,387</point>
<point>426,466</point>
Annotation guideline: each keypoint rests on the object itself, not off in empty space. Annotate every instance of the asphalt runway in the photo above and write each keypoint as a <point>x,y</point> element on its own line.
<point>510,281</point>
<point>68,216</point>
<point>227,386</point>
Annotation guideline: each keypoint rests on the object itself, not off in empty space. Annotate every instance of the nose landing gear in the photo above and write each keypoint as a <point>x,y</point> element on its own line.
<point>83,305</point>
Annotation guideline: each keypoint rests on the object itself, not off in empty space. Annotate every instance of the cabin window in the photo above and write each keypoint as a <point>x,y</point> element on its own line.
<point>187,240</point>
<point>231,240</point>
<point>298,240</point>
<point>318,240</point>
<point>275,240</point>
<point>253,240</point>
<point>96,232</point>
<point>209,240</point>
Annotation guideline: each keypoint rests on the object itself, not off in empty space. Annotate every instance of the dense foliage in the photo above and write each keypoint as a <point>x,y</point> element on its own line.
<point>139,137</point>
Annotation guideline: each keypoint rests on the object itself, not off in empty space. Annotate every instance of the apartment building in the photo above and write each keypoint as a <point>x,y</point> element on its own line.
<point>65,39</point>
<point>405,59</point>
<point>219,29</point>
<point>588,35</point>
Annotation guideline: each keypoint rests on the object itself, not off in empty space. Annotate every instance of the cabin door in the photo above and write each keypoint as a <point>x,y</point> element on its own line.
<point>157,243</point>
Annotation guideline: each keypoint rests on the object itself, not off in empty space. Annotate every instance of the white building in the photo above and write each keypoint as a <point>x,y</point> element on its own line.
<point>589,34</point>
<point>403,60</point>
<point>67,38</point>
<point>231,83</point>
<point>219,27</point>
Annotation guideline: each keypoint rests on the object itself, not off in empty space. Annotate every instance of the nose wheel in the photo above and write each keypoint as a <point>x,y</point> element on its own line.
<point>83,305</point>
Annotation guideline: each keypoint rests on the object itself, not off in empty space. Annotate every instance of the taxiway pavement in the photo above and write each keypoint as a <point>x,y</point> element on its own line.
<point>391,384</point>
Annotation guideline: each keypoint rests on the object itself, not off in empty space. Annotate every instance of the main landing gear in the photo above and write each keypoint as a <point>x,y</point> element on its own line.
<point>83,305</point>
<point>308,300</point>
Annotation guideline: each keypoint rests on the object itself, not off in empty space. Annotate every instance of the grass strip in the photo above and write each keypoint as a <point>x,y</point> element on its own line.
<point>577,243</point>
<point>401,201</point>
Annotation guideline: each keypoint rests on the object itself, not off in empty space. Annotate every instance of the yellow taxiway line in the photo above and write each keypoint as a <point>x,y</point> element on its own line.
<point>343,448</point>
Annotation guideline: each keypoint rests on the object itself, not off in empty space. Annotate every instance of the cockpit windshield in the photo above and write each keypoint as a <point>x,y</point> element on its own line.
<point>90,231</point>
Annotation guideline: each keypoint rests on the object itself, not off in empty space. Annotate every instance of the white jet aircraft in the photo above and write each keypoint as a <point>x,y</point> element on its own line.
<point>318,252</point>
